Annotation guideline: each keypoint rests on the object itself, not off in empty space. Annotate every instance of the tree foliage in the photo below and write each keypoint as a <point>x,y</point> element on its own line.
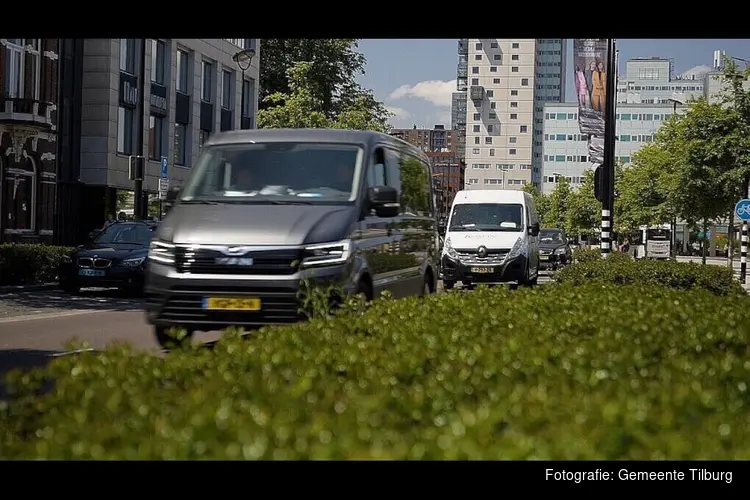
<point>312,84</point>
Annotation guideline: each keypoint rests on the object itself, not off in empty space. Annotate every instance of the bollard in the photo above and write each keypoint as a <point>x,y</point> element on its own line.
<point>605,244</point>
<point>743,253</point>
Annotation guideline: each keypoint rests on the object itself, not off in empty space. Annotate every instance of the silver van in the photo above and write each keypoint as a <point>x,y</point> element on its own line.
<point>263,210</point>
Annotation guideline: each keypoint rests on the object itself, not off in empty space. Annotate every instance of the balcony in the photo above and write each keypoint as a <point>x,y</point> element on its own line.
<point>463,46</point>
<point>462,70</point>
<point>15,110</point>
<point>461,83</point>
<point>476,93</point>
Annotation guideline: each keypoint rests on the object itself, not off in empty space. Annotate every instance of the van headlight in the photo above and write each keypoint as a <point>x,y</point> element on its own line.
<point>449,250</point>
<point>517,250</point>
<point>327,254</point>
<point>161,252</point>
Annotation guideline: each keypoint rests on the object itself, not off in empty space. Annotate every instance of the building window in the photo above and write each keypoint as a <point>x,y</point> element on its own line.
<point>16,68</point>
<point>475,81</point>
<point>488,140</point>
<point>513,104</point>
<point>125,131</point>
<point>476,140</point>
<point>514,92</point>
<point>490,128</point>
<point>493,105</point>
<point>475,151</point>
<point>182,71</point>
<point>512,140</point>
<point>495,81</point>
<point>492,152</point>
<point>155,137</point>
<point>20,197</point>
<point>524,82</point>
<point>475,70</point>
<point>476,128</point>
<point>477,116</point>
<point>514,57</point>
<point>477,57</point>
<point>513,116</point>
<point>493,69</point>
<point>511,151</point>
<point>202,136</point>
<point>492,116</point>
<point>127,55</point>
<point>478,46</point>
<point>515,45</point>
<point>490,93</point>
<point>524,129</point>
<point>158,60</point>
<point>514,69</point>
<point>226,89</point>
<point>207,72</point>
<point>493,45</point>
<point>497,57</point>
<point>247,98</point>
<point>180,144</point>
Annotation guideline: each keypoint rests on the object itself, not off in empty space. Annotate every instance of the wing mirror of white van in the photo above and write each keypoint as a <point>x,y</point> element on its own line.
<point>534,229</point>
<point>384,200</point>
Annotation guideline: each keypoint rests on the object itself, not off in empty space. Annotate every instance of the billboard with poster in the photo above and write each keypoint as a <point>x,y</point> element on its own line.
<point>590,63</point>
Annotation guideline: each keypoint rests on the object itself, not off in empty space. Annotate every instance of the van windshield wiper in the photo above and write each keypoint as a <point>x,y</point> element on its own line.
<point>465,228</point>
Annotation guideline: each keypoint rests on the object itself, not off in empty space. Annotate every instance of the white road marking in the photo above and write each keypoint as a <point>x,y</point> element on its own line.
<point>31,317</point>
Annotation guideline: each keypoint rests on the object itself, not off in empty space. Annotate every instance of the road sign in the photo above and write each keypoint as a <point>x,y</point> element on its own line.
<point>742,209</point>
<point>163,188</point>
<point>164,167</point>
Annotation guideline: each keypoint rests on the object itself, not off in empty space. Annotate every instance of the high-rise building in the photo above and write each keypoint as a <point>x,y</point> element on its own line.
<point>510,81</point>
<point>458,98</point>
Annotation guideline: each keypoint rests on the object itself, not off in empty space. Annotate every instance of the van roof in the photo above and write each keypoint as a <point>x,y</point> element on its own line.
<point>490,196</point>
<point>363,137</point>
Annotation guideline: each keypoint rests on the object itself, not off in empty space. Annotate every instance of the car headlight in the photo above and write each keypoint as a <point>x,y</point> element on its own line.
<point>132,262</point>
<point>327,254</point>
<point>449,250</point>
<point>560,251</point>
<point>161,252</point>
<point>517,249</point>
<point>66,259</point>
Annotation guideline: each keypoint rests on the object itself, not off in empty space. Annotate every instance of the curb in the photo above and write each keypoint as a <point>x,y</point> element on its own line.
<point>28,288</point>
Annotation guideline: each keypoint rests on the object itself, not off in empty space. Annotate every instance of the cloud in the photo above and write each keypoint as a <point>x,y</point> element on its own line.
<point>437,92</point>
<point>398,113</point>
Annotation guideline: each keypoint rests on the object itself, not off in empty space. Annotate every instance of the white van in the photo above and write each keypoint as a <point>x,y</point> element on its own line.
<point>492,236</point>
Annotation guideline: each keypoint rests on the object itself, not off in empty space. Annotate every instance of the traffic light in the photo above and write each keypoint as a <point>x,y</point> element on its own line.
<point>599,188</point>
<point>136,167</point>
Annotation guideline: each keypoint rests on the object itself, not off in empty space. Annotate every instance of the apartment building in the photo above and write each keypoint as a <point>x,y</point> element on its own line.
<point>447,176</point>
<point>157,98</point>
<point>651,80</point>
<point>458,98</point>
<point>510,81</point>
<point>28,135</point>
<point>566,149</point>
<point>436,139</point>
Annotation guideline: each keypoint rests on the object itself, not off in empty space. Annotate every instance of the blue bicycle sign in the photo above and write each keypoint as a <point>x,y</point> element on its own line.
<point>742,209</point>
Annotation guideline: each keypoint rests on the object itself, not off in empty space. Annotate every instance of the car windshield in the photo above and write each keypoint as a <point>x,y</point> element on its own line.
<point>487,217</point>
<point>547,236</point>
<point>133,234</point>
<point>289,172</point>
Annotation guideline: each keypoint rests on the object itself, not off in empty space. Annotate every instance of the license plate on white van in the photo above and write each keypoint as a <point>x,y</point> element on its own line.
<point>481,270</point>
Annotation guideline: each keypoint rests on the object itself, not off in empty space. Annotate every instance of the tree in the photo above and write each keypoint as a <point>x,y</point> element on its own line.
<point>334,67</point>
<point>558,207</point>
<point>302,108</point>
<point>541,201</point>
<point>584,210</point>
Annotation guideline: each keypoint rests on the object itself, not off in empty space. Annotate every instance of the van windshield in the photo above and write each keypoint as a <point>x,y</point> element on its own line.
<point>276,172</point>
<point>487,217</point>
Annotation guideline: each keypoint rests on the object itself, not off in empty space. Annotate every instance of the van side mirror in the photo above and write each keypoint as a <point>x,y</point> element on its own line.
<point>384,200</point>
<point>534,229</point>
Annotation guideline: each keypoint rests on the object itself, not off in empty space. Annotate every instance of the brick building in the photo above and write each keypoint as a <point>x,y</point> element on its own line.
<point>436,139</point>
<point>447,176</point>
<point>28,135</point>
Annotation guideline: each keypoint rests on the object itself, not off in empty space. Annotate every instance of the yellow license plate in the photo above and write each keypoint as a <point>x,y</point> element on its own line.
<point>231,304</point>
<point>481,270</point>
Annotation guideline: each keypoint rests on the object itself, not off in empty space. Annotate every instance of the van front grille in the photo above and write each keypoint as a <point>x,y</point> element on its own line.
<point>263,262</point>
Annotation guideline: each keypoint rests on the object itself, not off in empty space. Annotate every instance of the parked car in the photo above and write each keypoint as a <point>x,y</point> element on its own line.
<point>114,257</point>
<point>554,249</point>
<point>265,213</point>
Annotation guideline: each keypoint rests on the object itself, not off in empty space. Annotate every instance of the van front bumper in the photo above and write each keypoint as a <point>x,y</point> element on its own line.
<point>174,299</point>
<point>509,270</point>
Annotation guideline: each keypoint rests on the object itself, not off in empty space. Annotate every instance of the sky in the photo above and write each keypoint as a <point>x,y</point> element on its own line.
<point>415,77</point>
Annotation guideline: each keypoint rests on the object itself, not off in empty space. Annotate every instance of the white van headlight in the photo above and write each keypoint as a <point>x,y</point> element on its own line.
<point>327,254</point>
<point>161,252</point>
<point>449,250</point>
<point>517,249</point>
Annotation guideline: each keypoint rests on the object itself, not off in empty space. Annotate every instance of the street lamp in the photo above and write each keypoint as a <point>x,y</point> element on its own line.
<point>243,59</point>
<point>675,101</point>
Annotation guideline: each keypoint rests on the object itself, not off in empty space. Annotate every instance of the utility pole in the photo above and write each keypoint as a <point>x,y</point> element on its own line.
<point>608,168</point>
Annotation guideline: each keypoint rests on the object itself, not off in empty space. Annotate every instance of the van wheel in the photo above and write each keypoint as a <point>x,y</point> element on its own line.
<point>167,341</point>
<point>448,285</point>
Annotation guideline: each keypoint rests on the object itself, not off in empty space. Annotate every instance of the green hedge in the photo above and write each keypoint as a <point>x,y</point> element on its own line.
<point>30,264</point>
<point>619,269</point>
<point>586,254</point>
<point>556,372</point>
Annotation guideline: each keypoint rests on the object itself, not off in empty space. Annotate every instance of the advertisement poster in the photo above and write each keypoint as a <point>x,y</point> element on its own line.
<point>590,62</point>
